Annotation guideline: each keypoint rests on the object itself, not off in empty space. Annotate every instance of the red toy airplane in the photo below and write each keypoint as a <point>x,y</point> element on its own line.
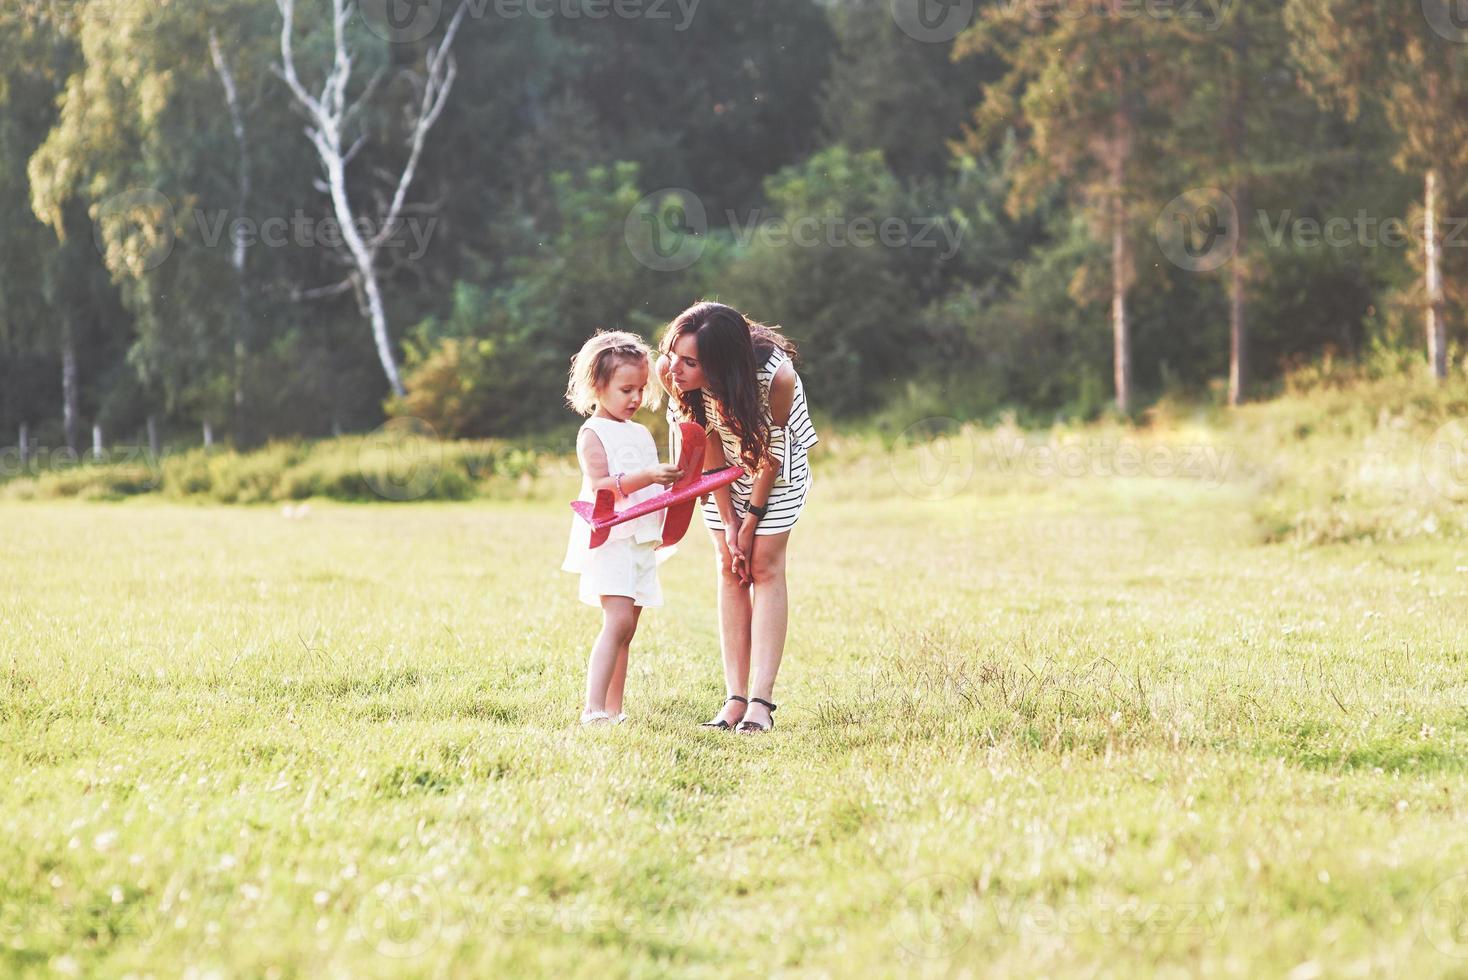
<point>678,500</point>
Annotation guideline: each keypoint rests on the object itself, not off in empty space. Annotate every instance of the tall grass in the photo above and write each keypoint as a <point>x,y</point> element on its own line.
<point>1031,723</point>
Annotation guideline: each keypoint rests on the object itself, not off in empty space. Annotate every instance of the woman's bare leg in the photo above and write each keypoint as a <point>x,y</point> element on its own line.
<point>734,626</point>
<point>769,619</point>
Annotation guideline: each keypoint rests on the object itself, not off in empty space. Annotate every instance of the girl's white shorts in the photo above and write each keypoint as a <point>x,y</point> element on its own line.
<point>622,567</point>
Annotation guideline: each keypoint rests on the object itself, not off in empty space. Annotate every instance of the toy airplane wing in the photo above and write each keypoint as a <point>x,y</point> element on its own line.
<point>678,500</point>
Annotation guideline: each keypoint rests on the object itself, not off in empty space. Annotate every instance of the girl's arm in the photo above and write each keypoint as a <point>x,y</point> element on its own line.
<point>593,457</point>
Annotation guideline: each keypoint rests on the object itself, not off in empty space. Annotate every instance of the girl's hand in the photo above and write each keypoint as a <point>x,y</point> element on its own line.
<point>664,473</point>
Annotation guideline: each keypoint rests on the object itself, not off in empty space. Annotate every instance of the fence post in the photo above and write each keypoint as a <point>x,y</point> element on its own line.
<point>208,434</point>
<point>25,448</point>
<point>97,442</point>
<point>153,436</point>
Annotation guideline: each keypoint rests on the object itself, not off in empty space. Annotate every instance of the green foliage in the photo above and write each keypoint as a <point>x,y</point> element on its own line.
<point>843,302</point>
<point>360,469</point>
<point>1358,453</point>
<point>497,364</point>
<point>886,93</point>
<point>765,110</point>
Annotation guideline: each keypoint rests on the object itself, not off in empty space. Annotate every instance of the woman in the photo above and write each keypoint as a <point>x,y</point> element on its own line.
<point>737,379</point>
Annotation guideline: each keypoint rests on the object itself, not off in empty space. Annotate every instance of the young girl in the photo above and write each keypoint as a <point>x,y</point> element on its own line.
<point>609,380</point>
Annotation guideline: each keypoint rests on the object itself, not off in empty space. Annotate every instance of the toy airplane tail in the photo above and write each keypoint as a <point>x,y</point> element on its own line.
<point>602,516</point>
<point>678,500</point>
<point>691,440</point>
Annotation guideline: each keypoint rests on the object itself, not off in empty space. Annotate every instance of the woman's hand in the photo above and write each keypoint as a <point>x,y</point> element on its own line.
<point>738,559</point>
<point>746,541</point>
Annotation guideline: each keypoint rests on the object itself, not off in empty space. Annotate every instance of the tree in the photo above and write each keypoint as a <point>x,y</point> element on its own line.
<point>239,250</point>
<point>1413,59</point>
<point>55,301</point>
<point>496,365</point>
<point>1247,130</point>
<point>1083,93</point>
<point>887,91</point>
<point>713,104</point>
<point>333,116</point>
<point>838,294</point>
<point>142,144</point>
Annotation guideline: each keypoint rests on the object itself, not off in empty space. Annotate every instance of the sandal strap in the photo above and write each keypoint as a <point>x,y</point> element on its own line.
<point>736,697</point>
<point>767,704</point>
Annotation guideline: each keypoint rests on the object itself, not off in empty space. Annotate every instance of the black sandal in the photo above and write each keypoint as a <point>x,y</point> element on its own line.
<point>720,723</point>
<point>747,727</point>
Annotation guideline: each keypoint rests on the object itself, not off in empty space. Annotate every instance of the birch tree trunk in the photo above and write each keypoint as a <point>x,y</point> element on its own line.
<point>1238,335</point>
<point>1120,328</point>
<point>1119,153</point>
<point>1238,328</point>
<point>69,399</point>
<point>243,322</point>
<point>1437,334</point>
<point>330,115</point>
<point>1120,156</point>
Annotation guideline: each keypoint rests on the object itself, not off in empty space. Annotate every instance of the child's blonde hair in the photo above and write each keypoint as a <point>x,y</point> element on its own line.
<point>593,366</point>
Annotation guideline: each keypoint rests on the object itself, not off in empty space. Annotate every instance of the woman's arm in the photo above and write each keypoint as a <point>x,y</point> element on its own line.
<point>782,398</point>
<point>714,459</point>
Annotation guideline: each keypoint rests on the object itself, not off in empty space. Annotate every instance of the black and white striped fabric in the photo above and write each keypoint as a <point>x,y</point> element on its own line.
<point>790,445</point>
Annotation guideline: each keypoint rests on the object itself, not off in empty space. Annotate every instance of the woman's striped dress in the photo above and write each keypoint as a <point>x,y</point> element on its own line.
<point>789,445</point>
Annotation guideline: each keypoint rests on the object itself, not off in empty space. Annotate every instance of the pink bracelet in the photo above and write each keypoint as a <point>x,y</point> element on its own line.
<point>617,479</point>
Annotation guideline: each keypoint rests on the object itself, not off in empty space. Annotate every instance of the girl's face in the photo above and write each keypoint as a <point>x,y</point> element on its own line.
<point>687,372</point>
<point>622,395</point>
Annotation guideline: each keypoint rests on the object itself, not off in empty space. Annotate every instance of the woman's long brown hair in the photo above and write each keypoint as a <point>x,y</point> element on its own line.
<point>731,349</point>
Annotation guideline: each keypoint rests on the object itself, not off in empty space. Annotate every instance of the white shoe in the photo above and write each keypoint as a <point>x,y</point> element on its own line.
<point>590,718</point>
<point>619,719</point>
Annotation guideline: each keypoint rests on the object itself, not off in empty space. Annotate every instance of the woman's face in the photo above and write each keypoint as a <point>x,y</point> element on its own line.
<point>687,372</point>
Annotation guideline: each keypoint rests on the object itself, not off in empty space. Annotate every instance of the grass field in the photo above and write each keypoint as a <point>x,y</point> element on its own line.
<point>1031,725</point>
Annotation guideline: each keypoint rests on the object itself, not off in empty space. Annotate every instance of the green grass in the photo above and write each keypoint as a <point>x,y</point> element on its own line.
<point>1040,725</point>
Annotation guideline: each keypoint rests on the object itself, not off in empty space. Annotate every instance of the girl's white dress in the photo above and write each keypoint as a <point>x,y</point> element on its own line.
<point>627,564</point>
